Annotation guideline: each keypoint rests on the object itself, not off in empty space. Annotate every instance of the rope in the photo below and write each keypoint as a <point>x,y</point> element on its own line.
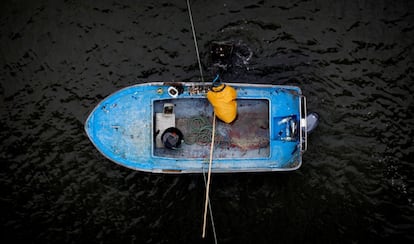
<point>195,40</point>
<point>209,176</point>
<point>210,210</point>
<point>199,132</point>
<point>207,203</point>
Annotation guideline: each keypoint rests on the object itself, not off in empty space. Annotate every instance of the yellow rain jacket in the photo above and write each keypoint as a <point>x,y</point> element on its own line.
<point>223,100</point>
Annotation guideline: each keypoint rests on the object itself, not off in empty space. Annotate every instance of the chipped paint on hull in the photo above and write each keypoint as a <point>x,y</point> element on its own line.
<point>122,129</point>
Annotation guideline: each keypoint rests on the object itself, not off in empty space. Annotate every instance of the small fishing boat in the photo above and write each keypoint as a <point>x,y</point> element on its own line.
<point>269,134</point>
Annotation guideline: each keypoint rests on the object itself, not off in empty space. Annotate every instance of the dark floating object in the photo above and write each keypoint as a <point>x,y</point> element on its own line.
<point>221,54</point>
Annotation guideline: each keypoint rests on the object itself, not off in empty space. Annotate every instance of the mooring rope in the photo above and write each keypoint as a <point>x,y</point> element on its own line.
<point>195,40</point>
<point>207,203</point>
<point>211,212</point>
<point>209,176</point>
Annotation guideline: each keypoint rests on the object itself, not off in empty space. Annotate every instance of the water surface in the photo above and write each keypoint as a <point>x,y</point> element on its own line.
<point>352,59</point>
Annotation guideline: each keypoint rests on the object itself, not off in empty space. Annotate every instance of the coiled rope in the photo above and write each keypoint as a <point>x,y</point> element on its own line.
<point>200,130</point>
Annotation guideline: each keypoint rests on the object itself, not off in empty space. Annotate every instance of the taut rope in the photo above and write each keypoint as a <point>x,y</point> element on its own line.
<point>209,176</point>
<point>195,40</point>
<point>207,204</point>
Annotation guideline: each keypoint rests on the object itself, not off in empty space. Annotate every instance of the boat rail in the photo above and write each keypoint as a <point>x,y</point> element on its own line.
<point>303,122</point>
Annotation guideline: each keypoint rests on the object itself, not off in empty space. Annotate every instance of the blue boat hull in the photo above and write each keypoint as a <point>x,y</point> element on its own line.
<point>269,134</point>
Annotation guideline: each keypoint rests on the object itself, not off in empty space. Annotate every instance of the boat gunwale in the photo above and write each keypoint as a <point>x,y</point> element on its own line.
<point>150,165</point>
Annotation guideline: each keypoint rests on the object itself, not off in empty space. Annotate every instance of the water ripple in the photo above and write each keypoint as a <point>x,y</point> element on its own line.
<point>353,61</point>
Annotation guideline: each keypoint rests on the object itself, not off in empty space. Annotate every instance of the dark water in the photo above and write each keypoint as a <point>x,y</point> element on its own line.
<point>353,60</point>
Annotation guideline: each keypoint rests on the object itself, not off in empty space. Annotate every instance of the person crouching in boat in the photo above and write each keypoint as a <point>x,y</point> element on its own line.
<point>223,99</point>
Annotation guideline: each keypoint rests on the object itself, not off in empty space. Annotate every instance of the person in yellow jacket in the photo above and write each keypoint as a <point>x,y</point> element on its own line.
<point>223,99</point>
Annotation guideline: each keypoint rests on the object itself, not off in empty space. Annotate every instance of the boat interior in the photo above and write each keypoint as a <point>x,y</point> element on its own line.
<point>247,137</point>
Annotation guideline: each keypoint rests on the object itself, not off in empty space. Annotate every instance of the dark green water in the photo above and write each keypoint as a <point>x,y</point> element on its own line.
<point>352,59</point>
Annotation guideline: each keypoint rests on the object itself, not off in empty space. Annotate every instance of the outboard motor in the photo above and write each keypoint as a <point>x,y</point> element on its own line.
<point>312,121</point>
